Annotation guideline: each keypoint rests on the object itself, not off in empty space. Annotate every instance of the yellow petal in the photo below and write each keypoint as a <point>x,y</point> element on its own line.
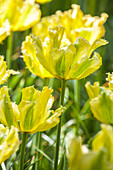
<point>92,90</point>
<point>104,140</point>
<point>51,122</point>
<point>4,30</point>
<point>42,1</point>
<point>76,25</point>
<point>80,158</point>
<point>9,112</point>
<point>85,67</point>
<point>102,106</point>
<point>9,142</point>
<point>110,79</point>
<point>4,74</point>
<point>27,14</point>
<point>31,60</point>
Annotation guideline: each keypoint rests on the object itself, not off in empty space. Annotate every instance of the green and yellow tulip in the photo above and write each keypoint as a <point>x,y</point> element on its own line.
<point>104,139</point>
<point>60,58</point>
<point>33,112</point>
<point>101,101</point>
<point>81,158</point>
<point>27,13</point>
<point>76,24</point>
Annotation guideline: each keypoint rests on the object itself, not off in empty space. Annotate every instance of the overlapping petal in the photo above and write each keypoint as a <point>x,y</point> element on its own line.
<point>9,142</point>
<point>76,25</point>
<point>31,60</point>
<point>4,73</point>
<point>104,140</point>
<point>101,102</point>
<point>9,113</point>
<point>67,61</point>
<point>34,110</point>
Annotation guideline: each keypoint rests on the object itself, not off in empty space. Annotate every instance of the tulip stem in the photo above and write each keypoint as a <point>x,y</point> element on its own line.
<point>22,151</point>
<point>63,86</point>
<point>38,136</point>
<point>9,50</point>
<point>77,104</point>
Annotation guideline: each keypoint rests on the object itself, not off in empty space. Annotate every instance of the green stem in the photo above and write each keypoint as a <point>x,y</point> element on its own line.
<point>22,151</point>
<point>38,144</point>
<point>9,50</point>
<point>63,85</point>
<point>38,136</point>
<point>76,101</point>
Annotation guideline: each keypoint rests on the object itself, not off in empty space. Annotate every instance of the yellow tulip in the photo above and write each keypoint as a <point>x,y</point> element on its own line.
<point>76,25</point>
<point>4,73</point>
<point>104,139</point>
<point>20,14</point>
<point>33,112</point>
<point>9,142</point>
<point>80,158</point>
<point>101,102</point>
<point>65,61</point>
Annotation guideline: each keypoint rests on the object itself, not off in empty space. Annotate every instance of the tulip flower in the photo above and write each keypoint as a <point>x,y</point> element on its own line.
<point>4,73</point>
<point>101,101</point>
<point>32,114</point>
<point>34,110</point>
<point>72,61</point>
<point>76,25</point>
<point>9,142</point>
<point>104,139</point>
<point>27,13</point>
<point>81,158</point>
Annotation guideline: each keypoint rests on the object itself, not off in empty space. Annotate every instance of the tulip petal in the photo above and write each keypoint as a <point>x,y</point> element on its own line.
<point>76,24</point>
<point>9,114</point>
<point>4,30</point>
<point>42,1</point>
<point>29,15</point>
<point>102,107</point>
<point>9,143</point>
<point>50,122</point>
<point>93,91</point>
<point>104,140</point>
<point>85,67</point>
<point>31,60</point>
<point>3,73</point>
